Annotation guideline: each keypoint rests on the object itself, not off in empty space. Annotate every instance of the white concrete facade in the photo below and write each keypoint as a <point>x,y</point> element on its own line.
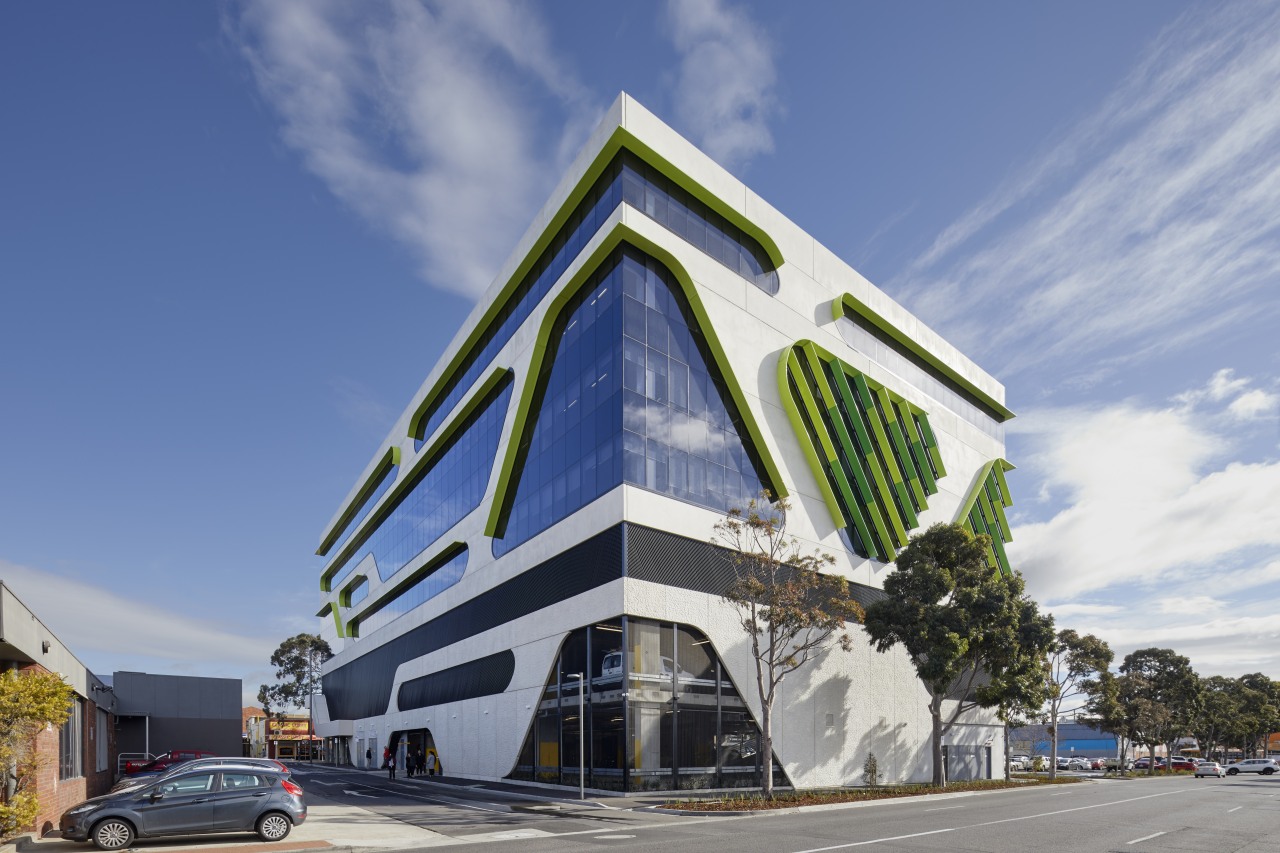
<point>830,716</point>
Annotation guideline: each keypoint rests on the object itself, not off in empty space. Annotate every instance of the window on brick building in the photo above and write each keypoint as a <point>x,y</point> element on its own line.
<point>70,741</point>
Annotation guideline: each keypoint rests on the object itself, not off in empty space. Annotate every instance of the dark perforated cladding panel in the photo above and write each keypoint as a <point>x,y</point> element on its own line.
<point>483,677</point>
<point>661,557</point>
<point>362,688</point>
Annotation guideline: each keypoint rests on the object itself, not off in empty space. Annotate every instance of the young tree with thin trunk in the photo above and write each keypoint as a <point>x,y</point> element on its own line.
<point>972,635</point>
<point>1075,663</point>
<point>791,610</point>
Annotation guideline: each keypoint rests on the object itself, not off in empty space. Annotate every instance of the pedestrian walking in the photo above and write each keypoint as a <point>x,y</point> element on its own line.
<point>368,758</point>
<point>408,763</point>
<point>391,766</point>
<point>431,763</point>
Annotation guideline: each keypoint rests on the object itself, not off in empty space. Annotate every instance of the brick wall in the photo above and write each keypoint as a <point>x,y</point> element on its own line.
<point>56,796</point>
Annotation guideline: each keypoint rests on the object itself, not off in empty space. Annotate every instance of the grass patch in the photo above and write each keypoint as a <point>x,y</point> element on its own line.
<point>826,796</point>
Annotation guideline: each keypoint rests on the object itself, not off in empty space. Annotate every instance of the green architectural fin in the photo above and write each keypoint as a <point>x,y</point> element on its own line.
<point>983,511</point>
<point>870,450</point>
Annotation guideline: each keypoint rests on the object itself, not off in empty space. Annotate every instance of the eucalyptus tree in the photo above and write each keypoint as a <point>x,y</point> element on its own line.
<point>971,632</point>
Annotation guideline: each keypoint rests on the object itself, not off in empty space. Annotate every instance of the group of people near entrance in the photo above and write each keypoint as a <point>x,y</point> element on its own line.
<point>414,761</point>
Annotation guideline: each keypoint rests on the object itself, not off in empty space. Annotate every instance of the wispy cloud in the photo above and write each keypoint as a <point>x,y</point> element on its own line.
<point>1149,226</point>
<point>724,96</point>
<point>361,407</point>
<point>422,117</point>
<point>136,636</point>
<point>1149,502</point>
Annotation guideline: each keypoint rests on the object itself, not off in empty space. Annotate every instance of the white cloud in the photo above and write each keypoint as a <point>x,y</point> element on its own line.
<point>110,631</point>
<point>1254,405</point>
<point>1149,227</point>
<point>1148,501</point>
<point>419,117</point>
<point>724,95</point>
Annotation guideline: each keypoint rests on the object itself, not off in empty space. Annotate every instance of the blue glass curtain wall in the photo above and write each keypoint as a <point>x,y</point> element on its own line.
<point>385,479</point>
<point>423,590</point>
<point>627,393</point>
<point>660,714</point>
<point>440,495</point>
<point>629,179</point>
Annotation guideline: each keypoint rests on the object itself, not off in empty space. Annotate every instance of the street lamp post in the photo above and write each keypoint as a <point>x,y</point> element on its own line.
<point>582,727</point>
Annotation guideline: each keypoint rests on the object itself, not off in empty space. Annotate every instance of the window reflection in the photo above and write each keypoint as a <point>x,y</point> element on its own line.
<point>629,394</point>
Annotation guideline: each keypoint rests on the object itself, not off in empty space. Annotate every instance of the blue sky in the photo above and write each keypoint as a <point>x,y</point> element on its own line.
<point>236,237</point>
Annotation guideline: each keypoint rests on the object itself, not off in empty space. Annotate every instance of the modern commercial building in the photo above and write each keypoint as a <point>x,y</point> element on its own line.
<point>661,345</point>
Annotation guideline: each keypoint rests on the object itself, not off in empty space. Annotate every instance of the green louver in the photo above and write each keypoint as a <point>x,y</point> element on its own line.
<point>983,511</point>
<point>872,452</point>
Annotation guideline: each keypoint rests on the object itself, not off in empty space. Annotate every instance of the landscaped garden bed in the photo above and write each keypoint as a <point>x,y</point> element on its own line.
<point>828,796</point>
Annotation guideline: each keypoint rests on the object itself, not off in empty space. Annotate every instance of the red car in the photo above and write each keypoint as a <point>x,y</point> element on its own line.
<point>1182,764</point>
<point>163,762</point>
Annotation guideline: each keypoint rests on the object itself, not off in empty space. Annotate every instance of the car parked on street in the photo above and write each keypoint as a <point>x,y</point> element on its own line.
<point>146,777</point>
<point>1210,768</point>
<point>1265,766</point>
<point>195,802</point>
<point>165,761</point>
<point>1079,764</point>
<point>1180,763</point>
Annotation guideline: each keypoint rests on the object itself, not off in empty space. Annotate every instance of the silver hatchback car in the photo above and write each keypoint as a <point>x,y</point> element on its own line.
<point>230,799</point>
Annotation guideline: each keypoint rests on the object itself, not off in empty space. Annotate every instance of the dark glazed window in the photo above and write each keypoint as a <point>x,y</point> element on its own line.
<point>70,737</point>
<point>439,496</point>
<point>628,393</point>
<point>384,481</point>
<point>680,724</point>
<point>630,179</point>
<point>422,591</point>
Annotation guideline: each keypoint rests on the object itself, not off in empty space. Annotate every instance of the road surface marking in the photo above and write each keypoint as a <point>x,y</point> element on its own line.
<point>877,841</point>
<point>944,808</point>
<point>1005,820</point>
<point>1236,809</point>
<point>1145,838</point>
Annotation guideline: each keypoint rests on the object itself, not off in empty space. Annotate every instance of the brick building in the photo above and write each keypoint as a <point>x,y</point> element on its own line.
<point>76,760</point>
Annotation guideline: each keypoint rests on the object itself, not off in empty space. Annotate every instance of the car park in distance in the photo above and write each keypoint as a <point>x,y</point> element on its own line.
<point>195,802</point>
<point>1180,763</point>
<point>1265,766</point>
<point>1079,764</point>
<point>1210,768</point>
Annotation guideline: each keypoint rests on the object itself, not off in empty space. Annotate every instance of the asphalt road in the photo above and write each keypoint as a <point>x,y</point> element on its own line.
<point>1175,814</point>
<point>367,810</point>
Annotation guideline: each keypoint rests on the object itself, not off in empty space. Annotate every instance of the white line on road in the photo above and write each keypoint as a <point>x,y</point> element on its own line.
<point>878,840</point>
<point>944,808</point>
<point>1145,838</point>
<point>430,799</point>
<point>1236,809</point>
<point>997,822</point>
